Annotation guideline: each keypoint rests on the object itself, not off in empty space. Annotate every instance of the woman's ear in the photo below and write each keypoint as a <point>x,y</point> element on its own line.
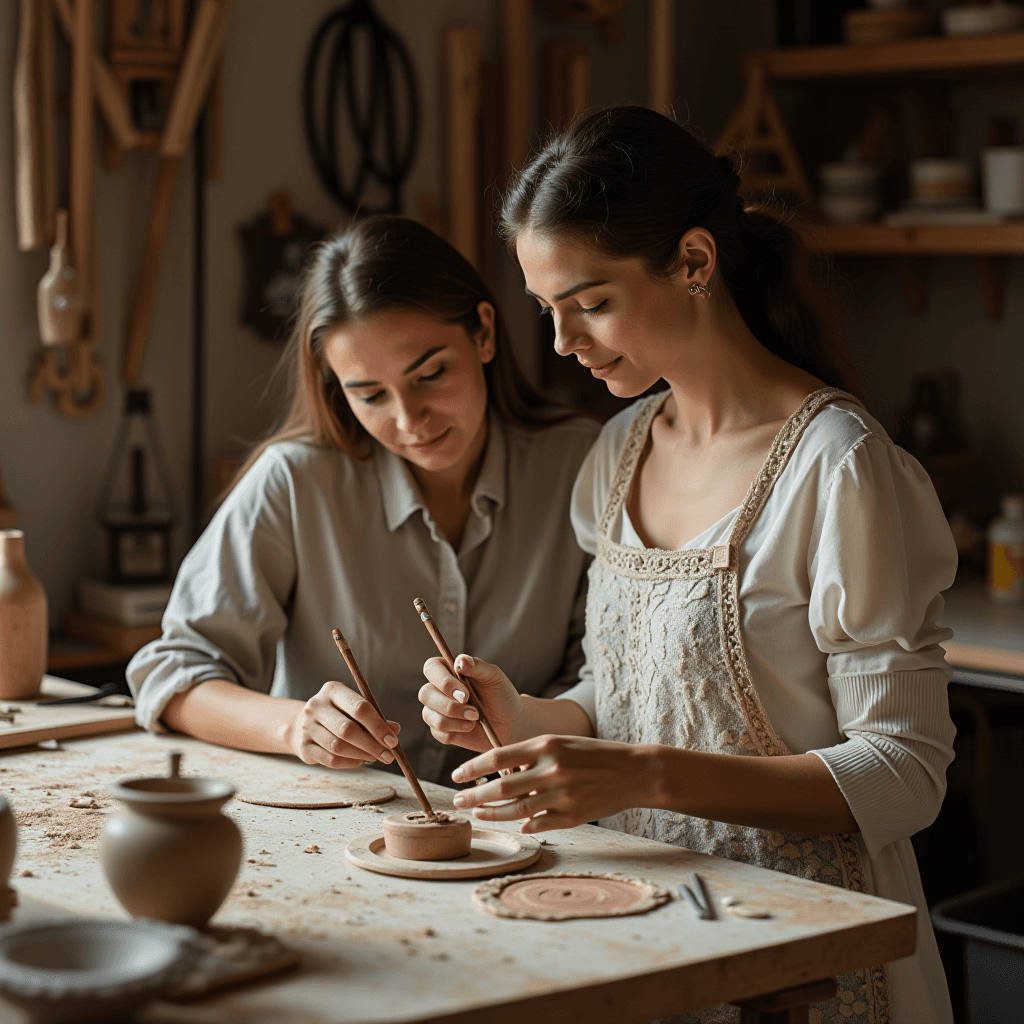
<point>697,258</point>
<point>485,339</point>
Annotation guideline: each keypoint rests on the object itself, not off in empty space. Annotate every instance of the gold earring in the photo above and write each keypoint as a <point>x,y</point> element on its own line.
<point>699,289</point>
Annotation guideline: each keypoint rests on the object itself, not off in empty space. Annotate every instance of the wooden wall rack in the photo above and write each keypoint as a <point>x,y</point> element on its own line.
<point>757,128</point>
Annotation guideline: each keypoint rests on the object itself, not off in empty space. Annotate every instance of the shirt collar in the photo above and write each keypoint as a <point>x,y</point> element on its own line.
<point>401,497</point>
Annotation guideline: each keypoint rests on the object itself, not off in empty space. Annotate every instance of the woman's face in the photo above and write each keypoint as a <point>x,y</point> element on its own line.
<point>622,325</point>
<point>416,384</point>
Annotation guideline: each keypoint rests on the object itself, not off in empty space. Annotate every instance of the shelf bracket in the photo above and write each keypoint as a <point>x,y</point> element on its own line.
<point>914,279</point>
<point>992,272</point>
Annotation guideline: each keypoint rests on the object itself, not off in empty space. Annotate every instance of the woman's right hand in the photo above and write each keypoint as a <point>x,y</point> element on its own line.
<point>340,728</point>
<point>452,720</point>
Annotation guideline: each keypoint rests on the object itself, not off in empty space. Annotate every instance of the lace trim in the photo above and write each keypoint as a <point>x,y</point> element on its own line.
<point>628,459</point>
<point>778,455</point>
<point>652,563</point>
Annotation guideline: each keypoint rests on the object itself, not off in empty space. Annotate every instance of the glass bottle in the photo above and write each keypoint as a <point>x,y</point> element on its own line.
<point>1006,551</point>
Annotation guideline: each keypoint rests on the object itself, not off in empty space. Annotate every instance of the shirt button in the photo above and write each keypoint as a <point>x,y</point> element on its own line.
<point>451,607</point>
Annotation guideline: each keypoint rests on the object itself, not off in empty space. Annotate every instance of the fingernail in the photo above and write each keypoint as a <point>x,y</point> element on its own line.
<point>457,775</point>
<point>459,801</point>
<point>471,713</point>
<point>391,740</point>
<point>459,696</point>
<point>387,757</point>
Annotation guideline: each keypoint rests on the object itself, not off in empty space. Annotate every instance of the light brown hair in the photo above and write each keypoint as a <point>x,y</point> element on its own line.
<point>377,264</point>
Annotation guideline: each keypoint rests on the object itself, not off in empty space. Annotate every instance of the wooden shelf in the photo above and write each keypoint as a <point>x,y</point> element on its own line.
<point>935,56</point>
<point>918,240</point>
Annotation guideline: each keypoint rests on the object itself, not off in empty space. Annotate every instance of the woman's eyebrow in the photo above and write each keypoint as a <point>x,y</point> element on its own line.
<point>412,366</point>
<point>570,292</point>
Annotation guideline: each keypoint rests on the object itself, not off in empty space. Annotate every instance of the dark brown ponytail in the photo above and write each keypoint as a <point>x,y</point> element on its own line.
<point>631,182</point>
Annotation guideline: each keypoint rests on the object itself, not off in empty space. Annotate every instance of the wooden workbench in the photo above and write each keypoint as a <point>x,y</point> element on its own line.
<point>367,953</point>
<point>987,636</point>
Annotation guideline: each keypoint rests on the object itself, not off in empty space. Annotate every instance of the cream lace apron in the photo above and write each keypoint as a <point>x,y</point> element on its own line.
<point>663,637</point>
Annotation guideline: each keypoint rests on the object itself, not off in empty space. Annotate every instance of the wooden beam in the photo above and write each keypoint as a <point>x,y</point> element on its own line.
<point>32,232</point>
<point>661,41</point>
<point>515,62</point>
<point>462,102</point>
<point>566,78</point>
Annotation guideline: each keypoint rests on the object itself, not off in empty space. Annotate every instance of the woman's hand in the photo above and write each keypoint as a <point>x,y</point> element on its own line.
<point>568,780</point>
<point>340,729</point>
<point>452,720</point>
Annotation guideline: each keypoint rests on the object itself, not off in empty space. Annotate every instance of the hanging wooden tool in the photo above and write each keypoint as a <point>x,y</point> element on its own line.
<point>68,365</point>
<point>34,231</point>
<point>515,72</point>
<point>198,67</point>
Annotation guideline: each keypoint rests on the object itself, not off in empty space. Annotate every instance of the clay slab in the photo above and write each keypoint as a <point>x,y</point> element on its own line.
<point>565,895</point>
<point>317,791</point>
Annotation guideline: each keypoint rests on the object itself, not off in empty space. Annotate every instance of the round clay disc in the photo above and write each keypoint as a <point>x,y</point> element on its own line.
<point>559,897</point>
<point>313,791</point>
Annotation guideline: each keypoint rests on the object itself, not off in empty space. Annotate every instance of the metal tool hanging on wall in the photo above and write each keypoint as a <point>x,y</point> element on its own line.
<point>148,57</point>
<point>381,113</point>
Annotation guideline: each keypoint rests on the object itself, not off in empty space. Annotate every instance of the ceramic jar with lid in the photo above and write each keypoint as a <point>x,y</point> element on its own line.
<point>171,854</point>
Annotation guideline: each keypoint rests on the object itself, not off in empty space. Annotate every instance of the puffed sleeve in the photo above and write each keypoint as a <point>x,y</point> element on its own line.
<point>226,612</point>
<point>881,556</point>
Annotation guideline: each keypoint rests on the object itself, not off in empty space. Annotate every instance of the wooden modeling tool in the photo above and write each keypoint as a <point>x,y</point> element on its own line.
<point>400,757</point>
<point>473,700</point>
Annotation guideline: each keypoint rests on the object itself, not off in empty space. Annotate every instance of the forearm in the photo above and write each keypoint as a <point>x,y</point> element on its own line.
<point>557,717</point>
<point>794,793</point>
<point>230,715</point>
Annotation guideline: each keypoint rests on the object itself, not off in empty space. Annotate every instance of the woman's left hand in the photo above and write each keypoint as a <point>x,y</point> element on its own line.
<point>569,780</point>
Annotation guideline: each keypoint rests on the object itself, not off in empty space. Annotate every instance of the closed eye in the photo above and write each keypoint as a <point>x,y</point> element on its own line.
<point>370,399</point>
<point>591,310</point>
<point>433,376</point>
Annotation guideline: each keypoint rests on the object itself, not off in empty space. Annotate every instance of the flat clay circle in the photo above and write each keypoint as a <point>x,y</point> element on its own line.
<point>315,791</point>
<point>559,897</point>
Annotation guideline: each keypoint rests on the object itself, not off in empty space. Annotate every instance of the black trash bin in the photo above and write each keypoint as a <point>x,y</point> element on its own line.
<point>991,921</point>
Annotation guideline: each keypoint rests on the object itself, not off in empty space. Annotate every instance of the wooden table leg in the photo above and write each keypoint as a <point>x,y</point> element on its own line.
<point>790,1006</point>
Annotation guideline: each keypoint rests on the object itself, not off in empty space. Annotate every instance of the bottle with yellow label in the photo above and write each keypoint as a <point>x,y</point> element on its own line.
<point>1006,551</point>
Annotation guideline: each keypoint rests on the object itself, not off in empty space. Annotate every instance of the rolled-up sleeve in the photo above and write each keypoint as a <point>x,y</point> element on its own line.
<point>228,607</point>
<point>882,557</point>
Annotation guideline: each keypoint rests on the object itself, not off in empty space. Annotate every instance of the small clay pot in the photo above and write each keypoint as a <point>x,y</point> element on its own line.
<point>411,836</point>
<point>170,854</point>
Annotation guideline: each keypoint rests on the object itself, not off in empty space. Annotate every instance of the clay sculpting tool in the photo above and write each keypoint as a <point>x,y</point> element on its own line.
<point>696,896</point>
<point>400,757</point>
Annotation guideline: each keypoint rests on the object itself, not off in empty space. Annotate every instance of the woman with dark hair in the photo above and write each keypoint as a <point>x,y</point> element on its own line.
<point>764,680</point>
<point>415,460</point>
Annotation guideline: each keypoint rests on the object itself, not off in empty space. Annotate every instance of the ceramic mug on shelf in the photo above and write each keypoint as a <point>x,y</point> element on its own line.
<point>1003,179</point>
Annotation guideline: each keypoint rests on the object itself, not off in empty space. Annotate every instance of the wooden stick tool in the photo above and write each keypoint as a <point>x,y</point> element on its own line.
<point>474,701</point>
<point>400,757</point>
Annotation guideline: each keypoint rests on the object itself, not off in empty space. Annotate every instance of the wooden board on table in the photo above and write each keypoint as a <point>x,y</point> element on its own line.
<point>33,723</point>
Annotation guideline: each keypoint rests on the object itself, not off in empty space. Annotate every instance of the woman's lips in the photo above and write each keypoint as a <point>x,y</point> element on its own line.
<point>604,369</point>
<point>428,446</point>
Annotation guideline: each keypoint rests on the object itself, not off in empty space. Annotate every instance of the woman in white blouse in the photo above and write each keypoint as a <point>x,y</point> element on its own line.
<point>764,679</point>
<point>415,461</point>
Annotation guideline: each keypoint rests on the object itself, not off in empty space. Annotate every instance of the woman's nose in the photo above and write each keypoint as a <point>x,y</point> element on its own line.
<point>410,415</point>
<point>567,340</point>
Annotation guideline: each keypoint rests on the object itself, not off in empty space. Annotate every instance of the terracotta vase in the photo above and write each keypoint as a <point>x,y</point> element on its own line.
<point>171,854</point>
<point>23,621</point>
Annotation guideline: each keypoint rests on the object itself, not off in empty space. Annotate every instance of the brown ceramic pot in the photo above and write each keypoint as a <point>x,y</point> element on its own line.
<point>23,621</point>
<point>170,854</point>
<point>410,836</point>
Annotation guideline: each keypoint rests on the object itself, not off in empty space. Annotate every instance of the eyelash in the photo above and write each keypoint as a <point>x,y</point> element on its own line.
<point>370,399</point>
<point>585,310</point>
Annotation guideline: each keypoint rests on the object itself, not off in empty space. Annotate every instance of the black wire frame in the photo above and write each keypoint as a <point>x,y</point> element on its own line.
<point>388,54</point>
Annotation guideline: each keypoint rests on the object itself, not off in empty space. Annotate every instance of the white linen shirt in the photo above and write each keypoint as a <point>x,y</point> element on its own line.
<point>311,539</point>
<point>840,592</point>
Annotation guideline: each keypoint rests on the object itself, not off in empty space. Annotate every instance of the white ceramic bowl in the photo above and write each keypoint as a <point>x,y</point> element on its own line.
<point>83,970</point>
<point>849,178</point>
<point>981,19</point>
<point>941,181</point>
